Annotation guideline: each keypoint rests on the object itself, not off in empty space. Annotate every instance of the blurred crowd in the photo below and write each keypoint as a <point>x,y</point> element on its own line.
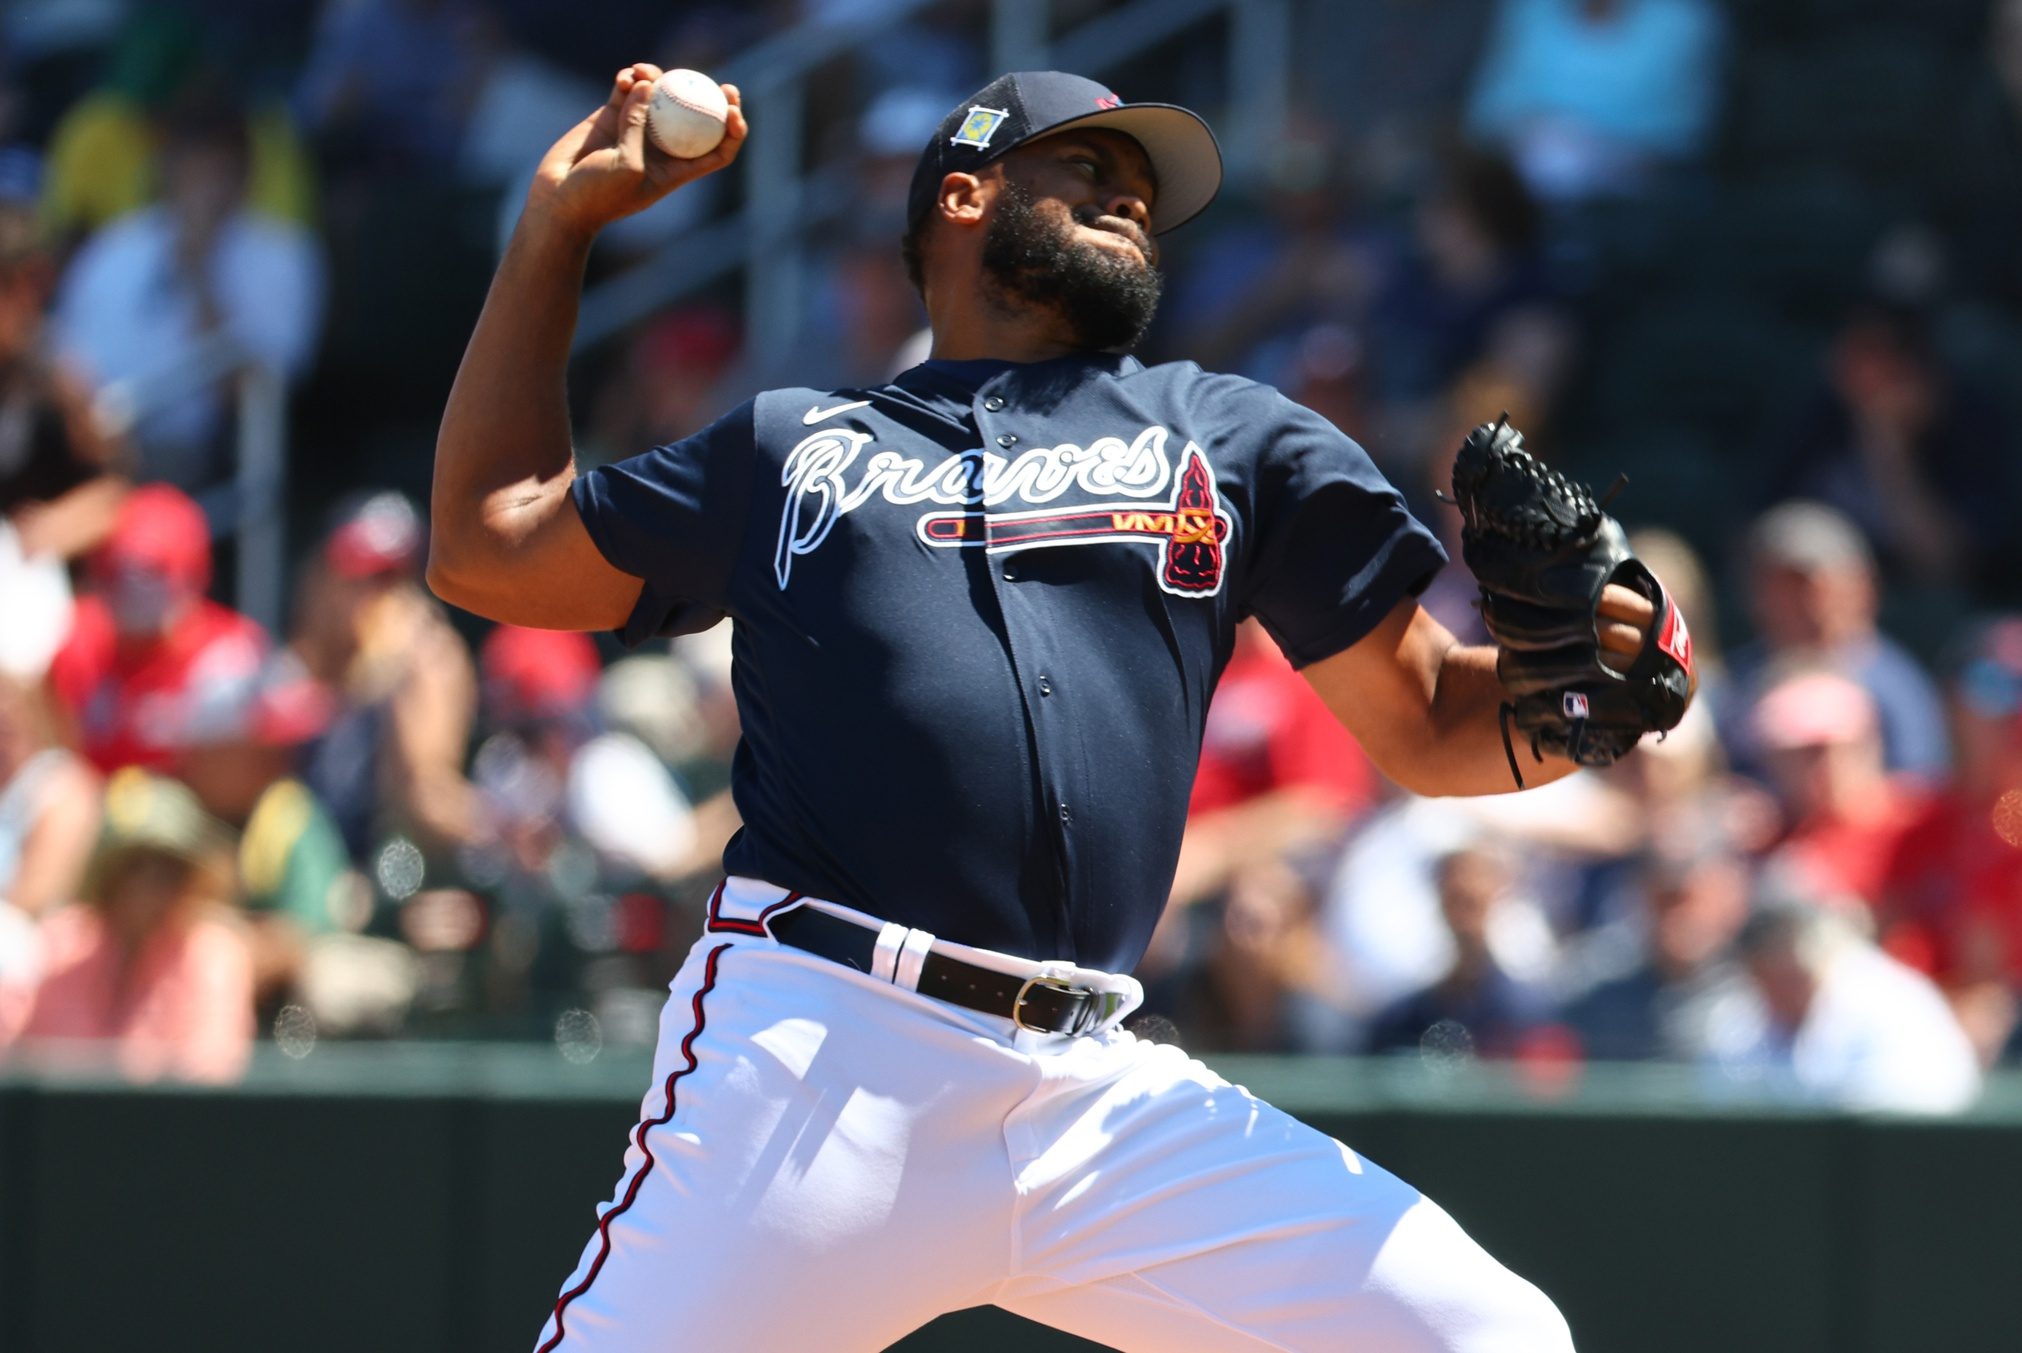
<point>1760,258</point>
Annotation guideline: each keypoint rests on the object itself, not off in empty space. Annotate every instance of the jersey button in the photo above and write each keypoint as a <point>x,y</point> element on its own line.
<point>1006,439</point>
<point>992,404</point>
<point>1065,816</point>
<point>1045,686</point>
<point>1010,574</point>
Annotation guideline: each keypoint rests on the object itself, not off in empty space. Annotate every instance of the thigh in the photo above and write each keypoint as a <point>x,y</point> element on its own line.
<point>787,1185</point>
<point>1168,1210</point>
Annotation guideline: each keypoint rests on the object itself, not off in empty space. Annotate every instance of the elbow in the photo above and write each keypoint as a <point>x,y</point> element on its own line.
<point>448,577</point>
<point>438,577</point>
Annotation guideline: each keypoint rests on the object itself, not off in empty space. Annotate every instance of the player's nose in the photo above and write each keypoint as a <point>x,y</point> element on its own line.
<point>1131,207</point>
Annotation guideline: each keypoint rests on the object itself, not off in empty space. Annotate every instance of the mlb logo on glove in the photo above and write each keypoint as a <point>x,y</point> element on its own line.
<point>1575,705</point>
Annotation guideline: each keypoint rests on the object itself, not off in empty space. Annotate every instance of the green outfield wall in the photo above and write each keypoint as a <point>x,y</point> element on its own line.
<point>410,1197</point>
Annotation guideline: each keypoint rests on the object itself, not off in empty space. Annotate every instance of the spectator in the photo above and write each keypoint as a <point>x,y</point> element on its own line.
<point>149,972</point>
<point>148,290</point>
<point>387,82</point>
<point>1954,888</point>
<point>679,708</point>
<point>151,660</point>
<point>1470,314</point>
<point>295,876</point>
<point>1277,771</point>
<point>1266,984</point>
<point>1303,259</point>
<point>667,386</point>
<point>1696,897</point>
<point>1901,445</point>
<point>1843,815</point>
<point>1596,98</point>
<point>1828,1018</point>
<point>1811,586</point>
<point>59,489</point>
<point>860,316</point>
<point>391,759</point>
<point>549,775</point>
<point>49,811</point>
<point>49,806</point>
<point>1476,1006</point>
<point>1381,907</point>
<point>105,154</point>
<point>583,824</point>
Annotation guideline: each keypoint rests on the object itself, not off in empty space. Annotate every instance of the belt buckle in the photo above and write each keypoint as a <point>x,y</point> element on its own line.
<point>1048,976</point>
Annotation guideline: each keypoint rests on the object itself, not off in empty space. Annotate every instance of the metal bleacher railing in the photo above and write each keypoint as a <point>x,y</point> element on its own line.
<point>787,205</point>
<point>250,506</point>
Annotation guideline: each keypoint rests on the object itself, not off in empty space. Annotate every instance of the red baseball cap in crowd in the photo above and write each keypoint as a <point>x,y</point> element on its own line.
<point>381,534</point>
<point>1813,709</point>
<point>159,530</point>
<point>538,673</point>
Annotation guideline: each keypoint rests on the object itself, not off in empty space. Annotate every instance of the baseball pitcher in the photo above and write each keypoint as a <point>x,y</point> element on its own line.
<point>978,614</point>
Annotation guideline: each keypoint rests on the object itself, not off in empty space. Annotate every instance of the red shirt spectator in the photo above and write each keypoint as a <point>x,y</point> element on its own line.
<point>1822,742</point>
<point>1267,730</point>
<point>1955,881</point>
<point>151,662</point>
<point>1277,772</point>
<point>1955,889</point>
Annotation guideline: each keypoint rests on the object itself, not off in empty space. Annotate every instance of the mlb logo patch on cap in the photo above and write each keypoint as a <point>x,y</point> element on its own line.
<point>1575,705</point>
<point>978,127</point>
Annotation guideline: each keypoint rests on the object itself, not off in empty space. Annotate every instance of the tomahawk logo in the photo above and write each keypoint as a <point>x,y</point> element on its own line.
<point>1188,529</point>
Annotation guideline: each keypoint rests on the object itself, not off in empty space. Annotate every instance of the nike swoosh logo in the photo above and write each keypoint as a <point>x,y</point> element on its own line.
<point>817,413</point>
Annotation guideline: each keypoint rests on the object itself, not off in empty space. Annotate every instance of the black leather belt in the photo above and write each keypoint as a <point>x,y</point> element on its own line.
<point>1041,1004</point>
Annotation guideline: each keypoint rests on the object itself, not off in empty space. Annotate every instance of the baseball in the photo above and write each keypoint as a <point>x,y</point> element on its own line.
<point>687,113</point>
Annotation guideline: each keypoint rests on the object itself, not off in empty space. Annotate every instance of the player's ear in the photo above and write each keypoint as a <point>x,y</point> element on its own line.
<point>962,199</point>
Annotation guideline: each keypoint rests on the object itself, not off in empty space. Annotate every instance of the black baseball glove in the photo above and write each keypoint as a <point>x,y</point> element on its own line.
<point>1543,550</point>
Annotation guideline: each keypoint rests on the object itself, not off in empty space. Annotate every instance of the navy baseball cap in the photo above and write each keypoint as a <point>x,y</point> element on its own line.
<point>1014,109</point>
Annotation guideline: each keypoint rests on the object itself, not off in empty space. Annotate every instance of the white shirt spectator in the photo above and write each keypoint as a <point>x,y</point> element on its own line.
<point>1877,1035</point>
<point>125,311</point>
<point>626,805</point>
<point>1380,912</point>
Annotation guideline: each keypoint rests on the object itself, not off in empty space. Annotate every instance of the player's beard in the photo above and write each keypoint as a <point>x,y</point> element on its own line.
<point>1106,296</point>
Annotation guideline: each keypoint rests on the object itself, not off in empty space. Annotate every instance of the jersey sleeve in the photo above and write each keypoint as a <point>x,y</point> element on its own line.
<point>674,517</point>
<point>1336,548</point>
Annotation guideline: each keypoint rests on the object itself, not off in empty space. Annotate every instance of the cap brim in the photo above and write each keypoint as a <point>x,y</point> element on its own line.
<point>1183,152</point>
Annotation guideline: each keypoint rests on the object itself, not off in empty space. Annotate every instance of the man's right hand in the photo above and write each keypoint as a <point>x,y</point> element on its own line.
<point>605,167</point>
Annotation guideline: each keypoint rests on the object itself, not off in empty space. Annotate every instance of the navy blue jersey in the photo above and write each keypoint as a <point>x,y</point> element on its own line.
<point>978,615</point>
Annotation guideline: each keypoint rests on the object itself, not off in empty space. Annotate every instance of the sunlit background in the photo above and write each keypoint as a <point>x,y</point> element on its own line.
<point>274,819</point>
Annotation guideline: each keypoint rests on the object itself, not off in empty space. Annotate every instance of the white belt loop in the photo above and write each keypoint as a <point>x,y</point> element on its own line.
<point>885,954</point>
<point>912,958</point>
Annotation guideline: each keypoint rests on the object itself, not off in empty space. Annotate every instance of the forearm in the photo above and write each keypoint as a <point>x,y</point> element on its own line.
<point>1463,750</point>
<point>1427,709</point>
<point>72,524</point>
<point>504,445</point>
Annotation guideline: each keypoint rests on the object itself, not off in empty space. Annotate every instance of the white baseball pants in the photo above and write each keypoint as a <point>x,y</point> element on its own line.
<point>827,1161</point>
